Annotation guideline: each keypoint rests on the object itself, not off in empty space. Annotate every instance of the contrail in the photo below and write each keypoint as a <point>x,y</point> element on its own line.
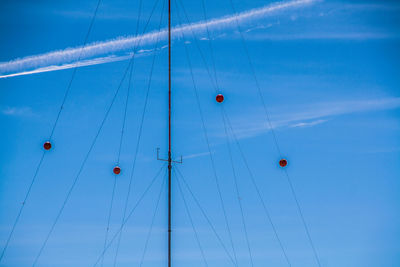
<point>99,52</point>
<point>83,63</point>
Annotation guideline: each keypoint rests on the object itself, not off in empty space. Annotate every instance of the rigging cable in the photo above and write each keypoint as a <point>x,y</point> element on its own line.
<point>204,214</point>
<point>122,133</point>
<point>118,161</point>
<point>193,226</point>
<point>226,135</point>
<point>140,131</point>
<point>209,42</point>
<point>257,190</point>
<point>109,214</point>
<point>197,45</point>
<point>238,192</point>
<point>242,154</point>
<point>79,172</point>
<point>263,202</point>
<point>152,224</point>
<point>130,213</point>
<point>211,158</point>
<point>275,137</point>
<point>88,153</point>
<point>51,134</point>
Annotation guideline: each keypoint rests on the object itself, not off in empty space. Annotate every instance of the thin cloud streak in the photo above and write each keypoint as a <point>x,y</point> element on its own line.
<point>16,111</point>
<point>307,124</point>
<point>60,59</point>
<point>356,36</point>
<point>196,155</point>
<point>84,63</point>
<point>310,116</point>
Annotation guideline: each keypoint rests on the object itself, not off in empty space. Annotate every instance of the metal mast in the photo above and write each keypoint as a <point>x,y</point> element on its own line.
<point>169,133</point>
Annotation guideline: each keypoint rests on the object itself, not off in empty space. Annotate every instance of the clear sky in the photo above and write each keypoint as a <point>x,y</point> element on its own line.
<point>329,75</point>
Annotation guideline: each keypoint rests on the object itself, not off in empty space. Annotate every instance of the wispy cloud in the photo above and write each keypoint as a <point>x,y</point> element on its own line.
<point>385,6</point>
<point>196,155</point>
<point>83,63</point>
<point>309,115</point>
<point>335,21</point>
<point>356,36</point>
<point>16,111</point>
<point>110,15</point>
<point>307,124</point>
<point>99,52</point>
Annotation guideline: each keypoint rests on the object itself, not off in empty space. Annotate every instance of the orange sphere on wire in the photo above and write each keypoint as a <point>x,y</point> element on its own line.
<point>47,145</point>
<point>117,170</point>
<point>283,163</point>
<point>219,98</point>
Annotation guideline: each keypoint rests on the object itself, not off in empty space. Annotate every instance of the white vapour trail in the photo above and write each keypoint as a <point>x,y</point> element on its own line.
<point>68,58</point>
<point>82,63</point>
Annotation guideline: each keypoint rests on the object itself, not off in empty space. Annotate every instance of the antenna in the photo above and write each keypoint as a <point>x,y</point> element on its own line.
<point>169,133</point>
<point>169,160</point>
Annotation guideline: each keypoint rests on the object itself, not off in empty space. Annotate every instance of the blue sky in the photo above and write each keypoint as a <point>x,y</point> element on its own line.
<point>329,75</point>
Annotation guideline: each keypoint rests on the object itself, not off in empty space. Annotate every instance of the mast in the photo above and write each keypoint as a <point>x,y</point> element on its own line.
<point>169,133</point>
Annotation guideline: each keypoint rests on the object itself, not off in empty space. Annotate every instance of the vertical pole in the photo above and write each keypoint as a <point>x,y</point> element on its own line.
<point>169,133</point>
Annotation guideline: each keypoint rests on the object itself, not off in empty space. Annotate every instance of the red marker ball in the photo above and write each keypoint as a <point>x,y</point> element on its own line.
<point>283,163</point>
<point>117,170</point>
<point>47,145</point>
<point>219,98</point>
